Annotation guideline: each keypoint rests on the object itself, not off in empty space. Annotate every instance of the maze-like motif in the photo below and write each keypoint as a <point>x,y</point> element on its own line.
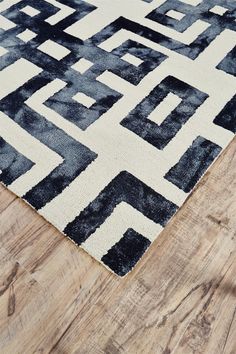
<point>109,116</point>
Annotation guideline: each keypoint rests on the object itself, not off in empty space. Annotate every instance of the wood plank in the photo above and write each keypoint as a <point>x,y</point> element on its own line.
<point>5,198</point>
<point>21,300</point>
<point>180,299</point>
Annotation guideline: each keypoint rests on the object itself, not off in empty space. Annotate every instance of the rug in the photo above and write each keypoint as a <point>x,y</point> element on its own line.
<point>111,112</point>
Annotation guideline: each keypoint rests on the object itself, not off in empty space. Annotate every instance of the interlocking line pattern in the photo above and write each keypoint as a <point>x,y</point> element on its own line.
<point>109,116</point>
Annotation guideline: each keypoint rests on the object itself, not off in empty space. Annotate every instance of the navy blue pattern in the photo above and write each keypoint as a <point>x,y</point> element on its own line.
<point>123,188</point>
<point>160,135</point>
<point>227,117</point>
<point>228,64</point>
<point>76,156</point>
<point>153,51</point>
<point>193,164</point>
<point>217,24</point>
<point>123,256</point>
<point>12,163</point>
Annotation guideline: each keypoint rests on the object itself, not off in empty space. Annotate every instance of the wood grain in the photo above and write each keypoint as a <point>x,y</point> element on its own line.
<point>181,298</point>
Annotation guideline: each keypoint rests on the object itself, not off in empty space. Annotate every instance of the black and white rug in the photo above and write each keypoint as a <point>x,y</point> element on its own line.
<point>111,111</point>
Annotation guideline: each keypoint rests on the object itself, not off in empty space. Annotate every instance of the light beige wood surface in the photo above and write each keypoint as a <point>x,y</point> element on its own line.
<point>181,298</point>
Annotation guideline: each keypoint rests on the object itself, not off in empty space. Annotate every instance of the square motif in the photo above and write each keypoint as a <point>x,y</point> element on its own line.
<point>30,11</point>
<point>84,99</point>
<point>218,10</point>
<point>26,35</point>
<point>175,15</point>
<point>54,49</point>
<point>82,65</point>
<point>132,59</point>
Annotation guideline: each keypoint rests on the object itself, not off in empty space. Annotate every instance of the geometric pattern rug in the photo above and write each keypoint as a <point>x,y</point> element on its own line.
<point>111,112</point>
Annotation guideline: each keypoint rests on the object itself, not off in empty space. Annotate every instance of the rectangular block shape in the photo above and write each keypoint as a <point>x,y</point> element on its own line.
<point>192,165</point>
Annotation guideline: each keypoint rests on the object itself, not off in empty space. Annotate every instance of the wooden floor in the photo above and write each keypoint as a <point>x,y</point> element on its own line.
<point>180,299</point>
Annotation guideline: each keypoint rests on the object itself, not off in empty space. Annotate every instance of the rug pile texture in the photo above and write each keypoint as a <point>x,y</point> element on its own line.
<point>111,112</point>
